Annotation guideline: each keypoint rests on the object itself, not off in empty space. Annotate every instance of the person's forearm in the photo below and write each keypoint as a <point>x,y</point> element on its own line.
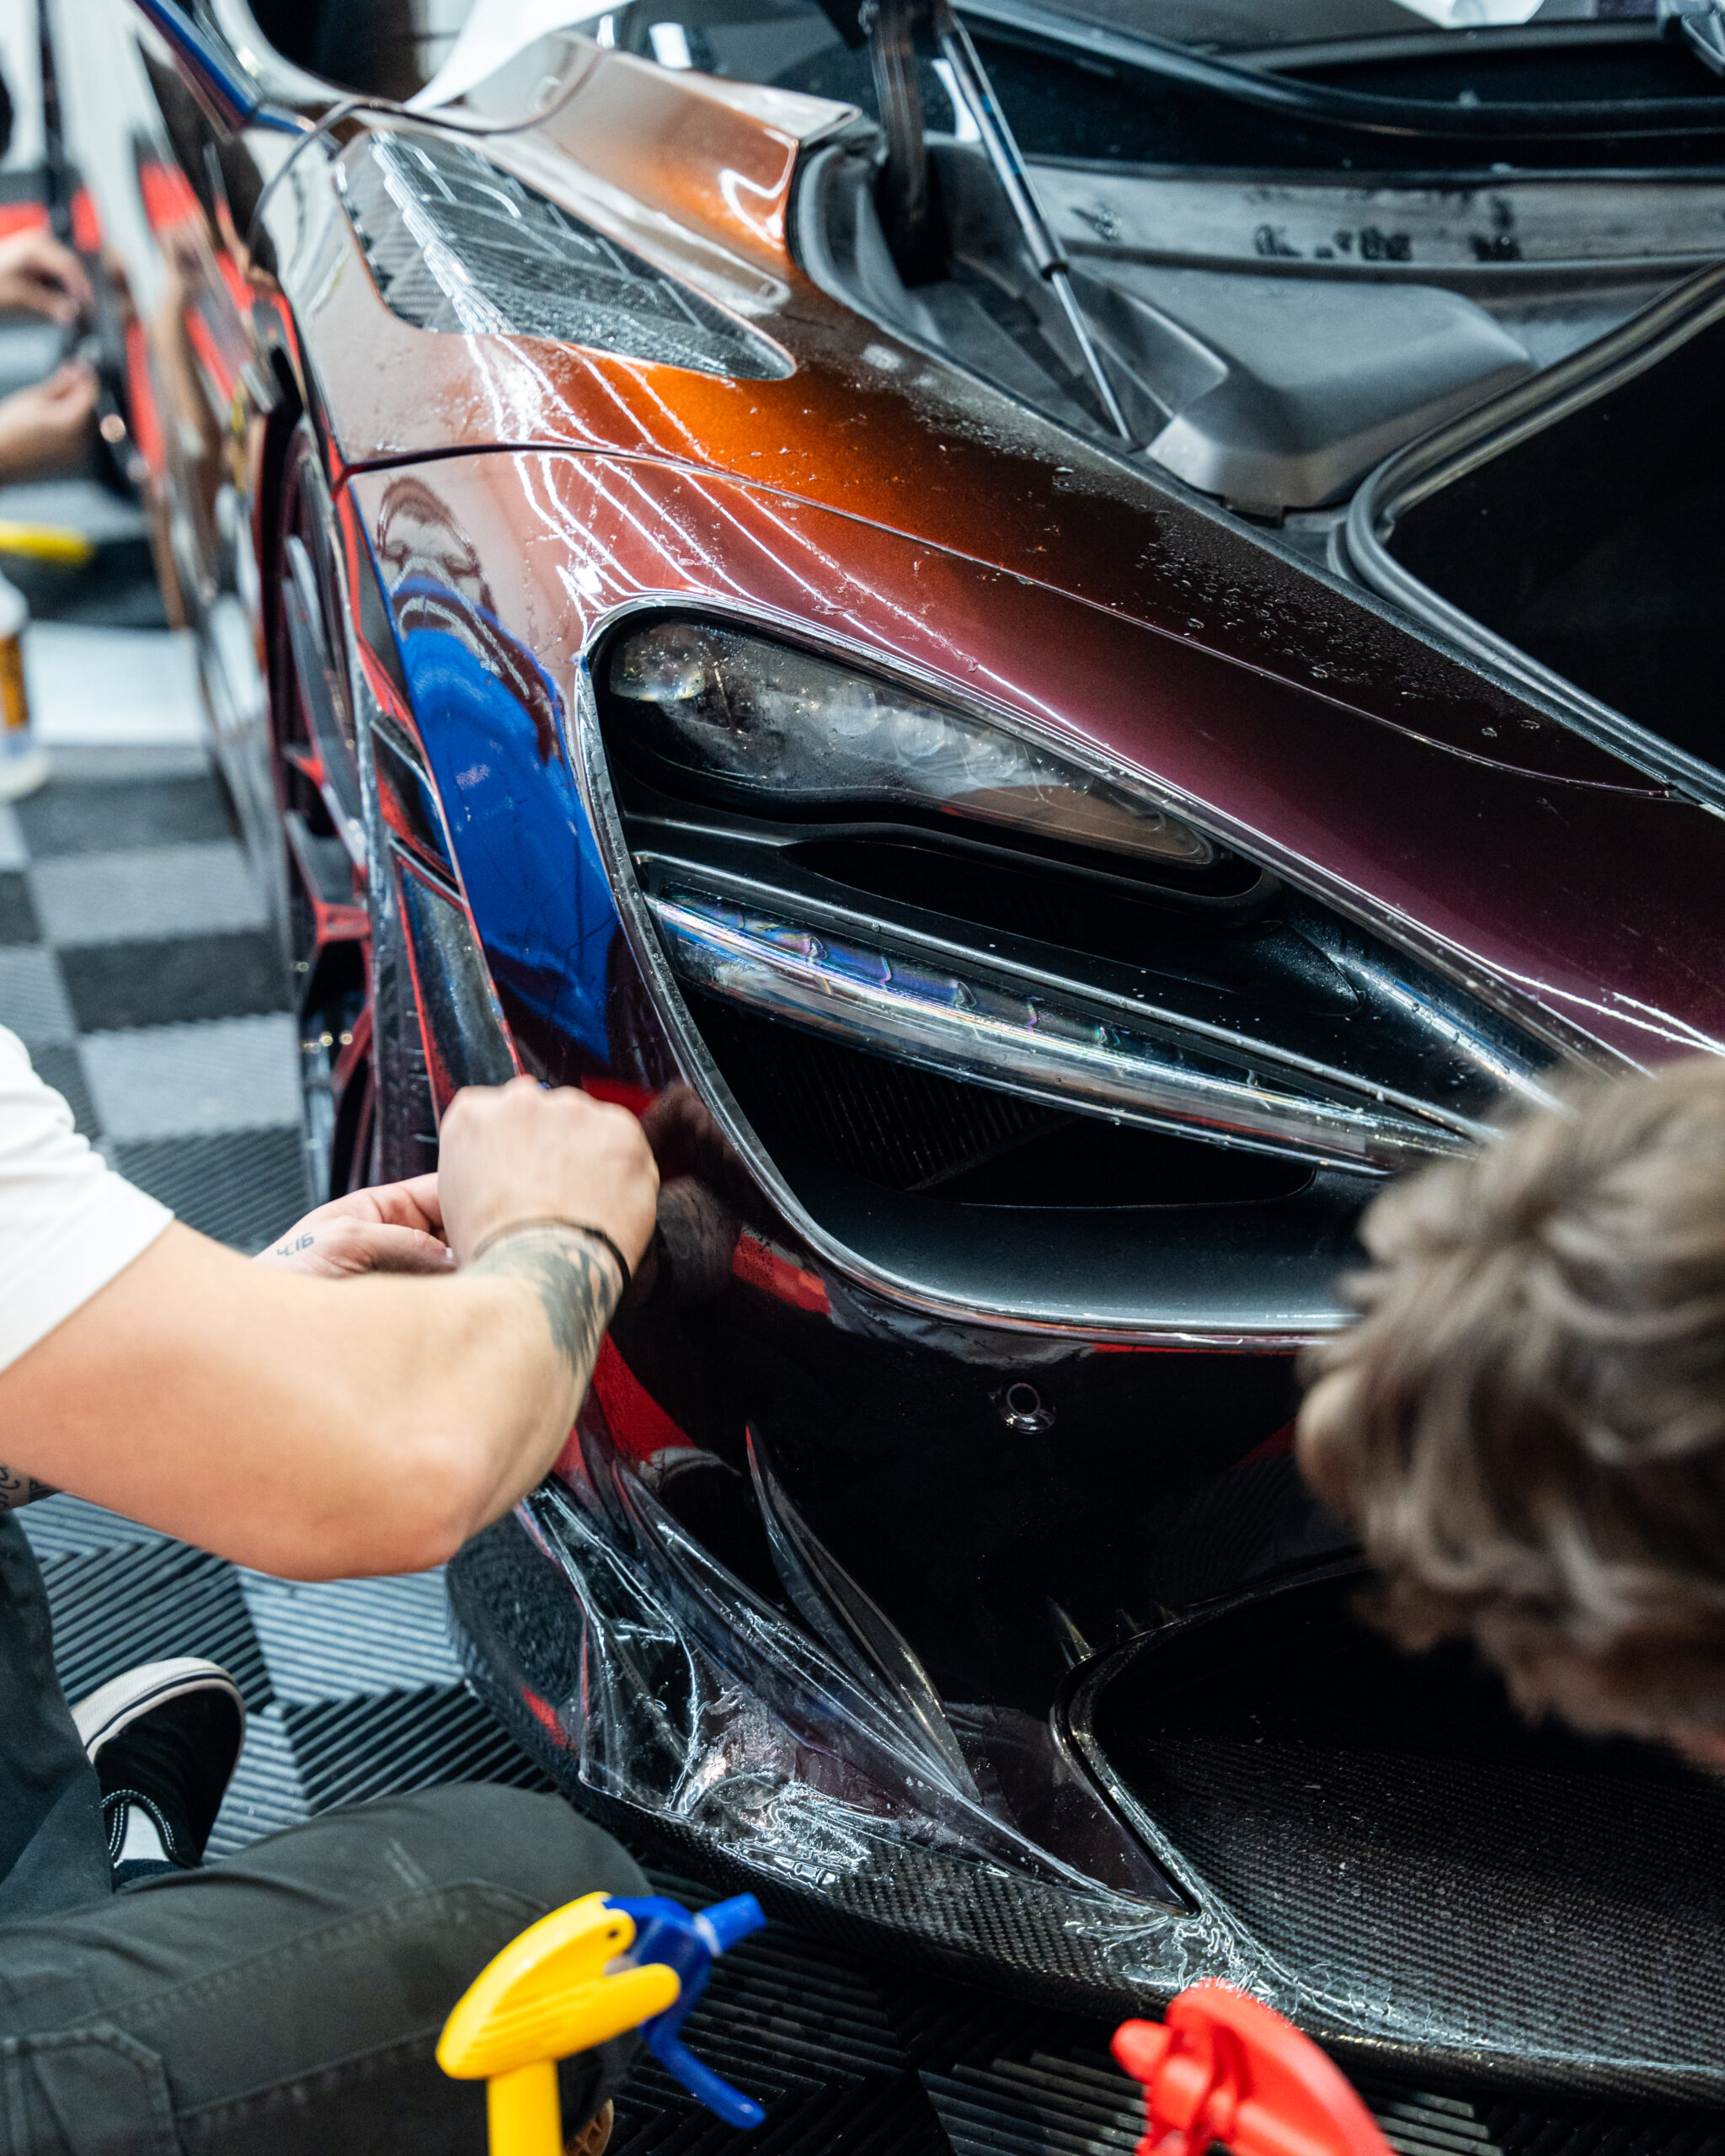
<point>314,1427</point>
<point>574,1281</point>
<point>442,1403</point>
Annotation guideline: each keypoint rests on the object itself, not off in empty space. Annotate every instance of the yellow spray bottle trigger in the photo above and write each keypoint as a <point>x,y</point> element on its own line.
<point>569,1982</point>
<point>544,1997</point>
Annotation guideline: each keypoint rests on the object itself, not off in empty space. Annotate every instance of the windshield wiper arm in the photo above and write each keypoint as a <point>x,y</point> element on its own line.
<point>1702,25</point>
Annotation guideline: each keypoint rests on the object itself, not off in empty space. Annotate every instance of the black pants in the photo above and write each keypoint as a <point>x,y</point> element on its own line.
<point>287,2001</point>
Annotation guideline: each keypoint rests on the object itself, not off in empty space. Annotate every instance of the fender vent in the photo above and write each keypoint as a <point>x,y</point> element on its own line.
<point>454,242</point>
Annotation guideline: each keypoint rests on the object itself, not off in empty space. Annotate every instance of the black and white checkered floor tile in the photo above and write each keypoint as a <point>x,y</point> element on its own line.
<point>137,965</point>
<point>135,961</point>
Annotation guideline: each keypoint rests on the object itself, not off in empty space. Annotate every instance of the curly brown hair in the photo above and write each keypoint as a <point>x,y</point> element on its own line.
<point>1526,1424</point>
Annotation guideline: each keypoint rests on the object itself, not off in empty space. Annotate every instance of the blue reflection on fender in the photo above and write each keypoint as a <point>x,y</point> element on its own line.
<point>491,720</point>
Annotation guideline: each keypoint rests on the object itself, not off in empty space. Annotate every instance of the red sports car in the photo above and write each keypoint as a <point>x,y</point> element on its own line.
<point>1055,634</point>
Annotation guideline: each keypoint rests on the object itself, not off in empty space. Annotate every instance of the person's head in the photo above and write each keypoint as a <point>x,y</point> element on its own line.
<point>1526,1424</point>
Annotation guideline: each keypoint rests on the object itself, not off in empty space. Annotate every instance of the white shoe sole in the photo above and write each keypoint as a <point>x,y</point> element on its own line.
<point>115,1705</point>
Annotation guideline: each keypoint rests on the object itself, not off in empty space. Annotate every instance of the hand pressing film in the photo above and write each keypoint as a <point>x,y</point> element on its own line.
<point>397,1227</point>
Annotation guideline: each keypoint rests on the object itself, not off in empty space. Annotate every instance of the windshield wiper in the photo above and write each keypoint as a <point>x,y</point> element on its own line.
<point>1702,23</point>
<point>890,29</point>
<point>907,210</point>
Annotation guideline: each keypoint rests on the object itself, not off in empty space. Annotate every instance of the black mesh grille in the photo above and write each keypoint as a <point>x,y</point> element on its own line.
<point>894,1125</point>
<point>457,243</point>
<point>914,1131</point>
<point>241,1187</point>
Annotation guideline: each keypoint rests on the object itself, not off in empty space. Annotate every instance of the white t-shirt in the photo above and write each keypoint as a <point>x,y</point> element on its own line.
<point>68,1223</point>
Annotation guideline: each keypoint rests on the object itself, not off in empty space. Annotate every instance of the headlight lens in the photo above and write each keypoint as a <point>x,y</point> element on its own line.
<point>776,725</point>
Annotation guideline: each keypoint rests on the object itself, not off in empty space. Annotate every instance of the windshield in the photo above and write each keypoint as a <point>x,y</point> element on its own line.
<point>1436,87</point>
<point>1433,86</point>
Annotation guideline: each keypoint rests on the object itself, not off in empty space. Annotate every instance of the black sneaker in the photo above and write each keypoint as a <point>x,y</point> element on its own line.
<point>164,1740</point>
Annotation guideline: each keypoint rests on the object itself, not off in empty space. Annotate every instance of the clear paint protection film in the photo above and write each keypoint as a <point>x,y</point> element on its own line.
<point>798,1745</point>
<point>654,1677</point>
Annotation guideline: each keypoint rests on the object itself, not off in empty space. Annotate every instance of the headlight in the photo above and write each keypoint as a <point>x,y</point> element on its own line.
<point>1063,1054</point>
<point>930,969</point>
<point>455,243</point>
<point>782,727</point>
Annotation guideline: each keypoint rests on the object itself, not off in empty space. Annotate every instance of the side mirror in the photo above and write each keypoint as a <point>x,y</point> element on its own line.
<point>229,98</point>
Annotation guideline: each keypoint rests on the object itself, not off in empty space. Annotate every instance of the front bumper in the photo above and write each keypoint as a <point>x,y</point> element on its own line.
<point>754,1749</point>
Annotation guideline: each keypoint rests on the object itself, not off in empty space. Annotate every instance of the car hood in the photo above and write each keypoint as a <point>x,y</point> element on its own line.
<point>698,175</point>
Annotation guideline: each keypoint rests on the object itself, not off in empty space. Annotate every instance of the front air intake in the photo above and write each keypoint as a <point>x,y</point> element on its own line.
<point>1389,1828</point>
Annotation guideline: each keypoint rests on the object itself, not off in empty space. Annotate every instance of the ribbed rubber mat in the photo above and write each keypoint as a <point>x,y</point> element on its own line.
<point>1044,2103</point>
<point>1431,2124</point>
<point>117,1607</point>
<point>265,1794</point>
<point>350,1749</point>
<point>59,1068</point>
<point>167,979</point>
<point>18,917</point>
<point>344,1638</point>
<point>807,2030</point>
<point>96,816</point>
<point>241,1187</point>
<point>67,1527</point>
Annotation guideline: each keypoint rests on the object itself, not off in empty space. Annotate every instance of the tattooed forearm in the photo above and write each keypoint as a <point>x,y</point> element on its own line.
<point>16,1490</point>
<point>576,1279</point>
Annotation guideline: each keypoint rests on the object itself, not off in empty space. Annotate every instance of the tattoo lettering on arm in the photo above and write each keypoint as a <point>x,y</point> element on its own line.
<point>16,1490</point>
<point>576,1279</point>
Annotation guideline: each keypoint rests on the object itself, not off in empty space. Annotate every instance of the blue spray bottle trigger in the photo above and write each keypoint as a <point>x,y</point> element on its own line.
<point>666,1931</point>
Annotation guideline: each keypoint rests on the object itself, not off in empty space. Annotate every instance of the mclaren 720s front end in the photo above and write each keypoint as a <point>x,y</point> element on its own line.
<point>1055,637</point>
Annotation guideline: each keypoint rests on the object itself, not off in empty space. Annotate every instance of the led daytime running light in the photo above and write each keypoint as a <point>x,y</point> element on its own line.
<point>1026,1044</point>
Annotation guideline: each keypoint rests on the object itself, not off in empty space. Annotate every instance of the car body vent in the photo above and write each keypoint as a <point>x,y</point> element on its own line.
<point>912,1130</point>
<point>454,242</point>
